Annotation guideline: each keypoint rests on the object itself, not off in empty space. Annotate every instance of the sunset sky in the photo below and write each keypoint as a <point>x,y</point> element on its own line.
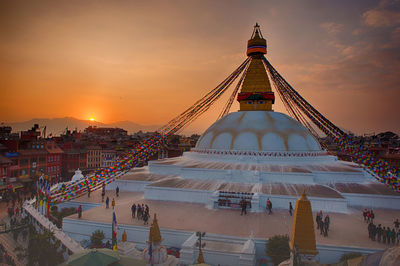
<point>147,61</point>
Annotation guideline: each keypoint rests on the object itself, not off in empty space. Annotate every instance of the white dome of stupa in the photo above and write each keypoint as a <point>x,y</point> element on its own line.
<point>262,131</point>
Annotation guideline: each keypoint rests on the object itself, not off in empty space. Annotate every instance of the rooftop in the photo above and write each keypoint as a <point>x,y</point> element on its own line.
<point>346,229</point>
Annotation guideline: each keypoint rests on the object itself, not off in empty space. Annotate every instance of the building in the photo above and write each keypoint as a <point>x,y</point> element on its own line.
<point>31,134</point>
<point>54,159</point>
<point>5,132</point>
<point>5,164</point>
<point>93,157</point>
<point>105,132</point>
<point>74,157</point>
<point>37,158</point>
<point>108,158</point>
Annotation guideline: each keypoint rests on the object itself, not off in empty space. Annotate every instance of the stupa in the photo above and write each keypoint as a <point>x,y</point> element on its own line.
<point>155,253</point>
<point>257,153</point>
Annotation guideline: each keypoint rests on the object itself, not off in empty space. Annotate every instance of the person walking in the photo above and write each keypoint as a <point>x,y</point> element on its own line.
<point>372,215</point>
<point>388,235</point>
<point>80,211</point>
<point>365,215</point>
<point>113,203</point>
<point>243,205</point>
<point>317,220</point>
<point>370,226</point>
<point>290,208</point>
<point>327,223</point>
<point>139,211</point>
<point>146,216</point>
<point>384,234</point>
<point>269,206</point>
<point>107,202</point>
<point>394,236</point>
<point>379,232</point>
<point>133,209</point>
<point>373,231</point>
<point>321,227</point>
<point>396,224</point>
<point>117,191</point>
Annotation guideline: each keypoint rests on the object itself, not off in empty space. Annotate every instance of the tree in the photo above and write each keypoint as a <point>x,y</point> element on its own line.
<point>97,239</point>
<point>42,249</point>
<point>350,255</point>
<point>277,248</point>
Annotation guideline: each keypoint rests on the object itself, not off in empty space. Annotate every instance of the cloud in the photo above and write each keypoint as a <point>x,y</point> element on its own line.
<point>332,27</point>
<point>395,36</point>
<point>386,14</point>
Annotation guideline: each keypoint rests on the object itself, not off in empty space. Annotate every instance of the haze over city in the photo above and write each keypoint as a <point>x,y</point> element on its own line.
<point>147,61</point>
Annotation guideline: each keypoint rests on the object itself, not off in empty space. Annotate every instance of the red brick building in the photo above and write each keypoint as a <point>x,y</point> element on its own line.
<point>72,159</point>
<point>39,157</point>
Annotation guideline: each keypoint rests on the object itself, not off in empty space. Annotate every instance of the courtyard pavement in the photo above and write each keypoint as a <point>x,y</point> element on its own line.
<point>345,229</point>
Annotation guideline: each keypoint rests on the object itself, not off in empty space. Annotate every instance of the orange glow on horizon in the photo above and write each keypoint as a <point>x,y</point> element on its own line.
<point>135,61</point>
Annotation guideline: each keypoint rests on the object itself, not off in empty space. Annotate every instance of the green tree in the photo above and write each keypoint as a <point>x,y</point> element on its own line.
<point>277,248</point>
<point>42,249</point>
<point>97,239</point>
<point>350,255</point>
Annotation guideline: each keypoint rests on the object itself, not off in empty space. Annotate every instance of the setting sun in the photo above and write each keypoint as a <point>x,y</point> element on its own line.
<point>91,119</point>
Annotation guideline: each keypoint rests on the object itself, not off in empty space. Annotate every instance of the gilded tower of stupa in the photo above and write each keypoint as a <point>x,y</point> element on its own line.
<point>256,93</point>
<point>302,239</point>
<point>155,253</point>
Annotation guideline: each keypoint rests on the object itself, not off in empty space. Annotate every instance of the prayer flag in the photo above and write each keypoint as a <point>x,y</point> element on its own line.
<point>114,232</point>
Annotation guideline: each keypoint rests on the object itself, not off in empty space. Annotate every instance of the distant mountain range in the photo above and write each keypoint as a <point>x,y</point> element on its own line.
<point>57,126</point>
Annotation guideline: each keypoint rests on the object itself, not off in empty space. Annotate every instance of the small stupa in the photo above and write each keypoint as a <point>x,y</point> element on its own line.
<point>302,240</point>
<point>200,258</point>
<point>155,253</point>
<point>77,176</point>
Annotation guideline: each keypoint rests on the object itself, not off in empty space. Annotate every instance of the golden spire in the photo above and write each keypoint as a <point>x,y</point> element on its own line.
<point>200,258</point>
<point>257,45</point>
<point>256,93</point>
<point>154,233</point>
<point>303,235</point>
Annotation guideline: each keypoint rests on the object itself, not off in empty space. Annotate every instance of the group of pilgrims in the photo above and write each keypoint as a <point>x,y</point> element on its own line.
<point>141,212</point>
<point>381,234</point>
<point>323,223</point>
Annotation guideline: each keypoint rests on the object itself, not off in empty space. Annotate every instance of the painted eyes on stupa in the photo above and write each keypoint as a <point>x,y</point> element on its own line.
<point>255,102</point>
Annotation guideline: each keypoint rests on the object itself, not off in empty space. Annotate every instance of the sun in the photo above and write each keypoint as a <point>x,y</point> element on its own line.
<point>91,119</point>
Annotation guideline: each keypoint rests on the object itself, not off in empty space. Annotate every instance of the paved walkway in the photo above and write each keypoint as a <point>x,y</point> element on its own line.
<point>345,230</point>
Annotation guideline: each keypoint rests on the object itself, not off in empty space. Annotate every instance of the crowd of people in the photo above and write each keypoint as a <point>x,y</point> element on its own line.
<point>141,212</point>
<point>368,215</point>
<point>384,234</point>
<point>323,223</point>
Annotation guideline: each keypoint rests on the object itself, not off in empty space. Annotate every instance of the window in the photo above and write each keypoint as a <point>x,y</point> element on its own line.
<point>249,102</point>
<point>261,102</point>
